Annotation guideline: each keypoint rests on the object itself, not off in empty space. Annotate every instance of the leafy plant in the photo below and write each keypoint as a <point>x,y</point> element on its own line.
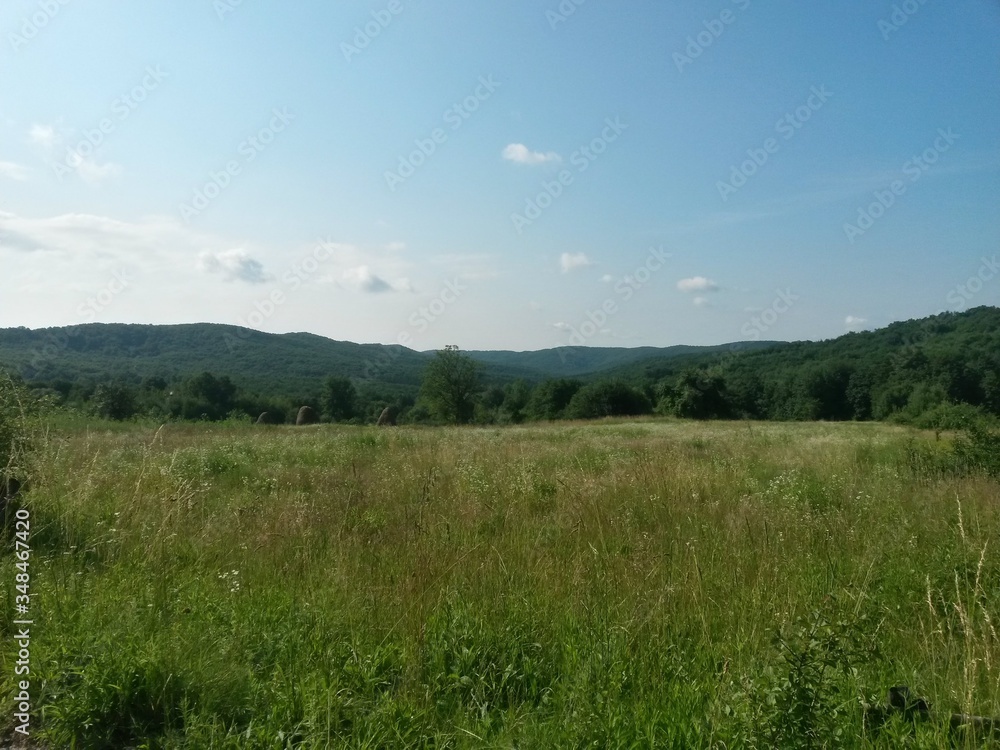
<point>807,698</point>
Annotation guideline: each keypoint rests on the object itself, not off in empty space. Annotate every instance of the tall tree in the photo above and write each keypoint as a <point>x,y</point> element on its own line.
<point>450,384</point>
<point>340,399</point>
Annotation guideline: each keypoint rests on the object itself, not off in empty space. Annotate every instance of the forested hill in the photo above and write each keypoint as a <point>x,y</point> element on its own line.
<point>936,370</point>
<point>584,361</point>
<point>276,363</point>
<point>97,352</point>
<point>908,368</point>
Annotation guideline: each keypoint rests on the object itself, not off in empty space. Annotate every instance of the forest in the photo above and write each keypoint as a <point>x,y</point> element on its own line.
<point>938,372</point>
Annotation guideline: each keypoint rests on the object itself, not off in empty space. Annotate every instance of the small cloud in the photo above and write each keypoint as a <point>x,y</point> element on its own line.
<point>697,284</point>
<point>396,247</point>
<point>607,278</point>
<point>233,265</point>
<point>43,135</point>
<point>562,326</point>
<point>701,302</point>
<point>521,154</point>
<point>92,172</point>
<point>571,261</point>
<point>853,321</point>
<point>13,171</point>
<point>362,279</point>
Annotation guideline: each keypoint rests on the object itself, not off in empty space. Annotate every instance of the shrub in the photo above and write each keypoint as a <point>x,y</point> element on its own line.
<point>608,398</point>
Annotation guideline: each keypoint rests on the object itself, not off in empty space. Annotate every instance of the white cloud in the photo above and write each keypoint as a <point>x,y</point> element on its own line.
<point>607,278</point>
<point>363,279</point>
<point>853,321</point>
<point>521,154</point>
<point>562,326</point>
<point>87,167</point>
<point>43,135</point>
<point>234,265</point>
<point>92,172</point>
<point>697,284</point>
<point>571,261</point>
<point>701,302</point>
<point>395,247</point>
<point>13,171</point>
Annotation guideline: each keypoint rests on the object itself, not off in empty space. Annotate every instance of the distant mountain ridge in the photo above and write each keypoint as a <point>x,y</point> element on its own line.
<point>268,361</point>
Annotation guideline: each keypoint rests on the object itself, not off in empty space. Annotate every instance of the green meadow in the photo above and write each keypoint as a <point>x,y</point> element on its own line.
<point>611,584</point>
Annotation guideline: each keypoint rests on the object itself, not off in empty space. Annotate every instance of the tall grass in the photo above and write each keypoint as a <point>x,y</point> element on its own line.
<point>614,584</point>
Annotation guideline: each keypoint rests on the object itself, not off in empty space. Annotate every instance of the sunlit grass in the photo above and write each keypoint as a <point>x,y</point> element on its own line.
<point>604,584</point>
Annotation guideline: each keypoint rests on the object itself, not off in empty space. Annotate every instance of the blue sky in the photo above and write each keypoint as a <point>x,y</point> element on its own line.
<point>517,174</point>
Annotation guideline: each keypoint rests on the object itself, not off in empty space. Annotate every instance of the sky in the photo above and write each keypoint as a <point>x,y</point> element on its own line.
<point>514,174</point>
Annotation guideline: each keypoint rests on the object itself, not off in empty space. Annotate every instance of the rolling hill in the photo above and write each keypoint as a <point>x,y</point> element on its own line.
<point>290,362</point>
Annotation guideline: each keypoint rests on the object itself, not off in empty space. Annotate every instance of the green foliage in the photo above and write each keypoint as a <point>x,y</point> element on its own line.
<point>697,394</point>
<point>550,398</point>
<point>472,664</point>
<point>451,382</point>
<point>979,450</point>
<point>340,399</point>
<point>15,430</point>
<point>607,398</point>
<point>911,372</point>
<point>115,401</point>
<point>945,416</point>
<point>807,696</point>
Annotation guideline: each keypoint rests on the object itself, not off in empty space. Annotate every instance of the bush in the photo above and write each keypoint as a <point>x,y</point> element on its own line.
<point>608,398</point>
<point>979,450</point>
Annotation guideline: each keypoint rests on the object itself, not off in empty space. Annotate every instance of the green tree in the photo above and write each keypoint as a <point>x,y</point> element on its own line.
<point>699,394</point>
<point>450,384</point>
<point>515,402</point>
<point>208,396</point>
<point>607,398</point>
<point>114,401</point>
<point>340,399</point>
<point>550,398</point>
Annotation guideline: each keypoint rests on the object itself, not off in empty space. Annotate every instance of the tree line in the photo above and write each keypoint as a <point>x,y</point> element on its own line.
<point>940,372</point>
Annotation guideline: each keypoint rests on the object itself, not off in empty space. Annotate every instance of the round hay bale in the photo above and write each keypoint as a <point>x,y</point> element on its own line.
<point>307,415</point>
<point>387,418</point>
<point>265,418</point>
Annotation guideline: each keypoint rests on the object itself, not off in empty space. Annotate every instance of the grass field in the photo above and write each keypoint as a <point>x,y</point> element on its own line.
<point>613,584</point>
